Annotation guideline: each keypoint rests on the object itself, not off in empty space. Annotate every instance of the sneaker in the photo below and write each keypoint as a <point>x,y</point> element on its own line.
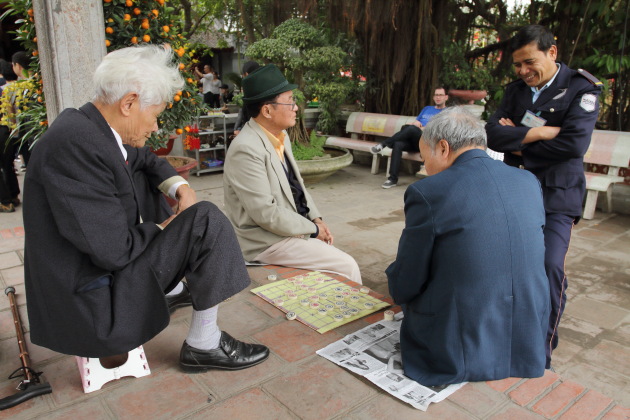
<point>376,149</point>
<point>389,184</point>
<point>7,208</point>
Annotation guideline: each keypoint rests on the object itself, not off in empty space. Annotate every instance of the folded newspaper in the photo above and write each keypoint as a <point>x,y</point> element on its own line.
<point>374,353</point>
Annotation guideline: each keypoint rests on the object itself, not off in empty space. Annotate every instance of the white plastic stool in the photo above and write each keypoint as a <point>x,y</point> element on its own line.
<point>94,375</point>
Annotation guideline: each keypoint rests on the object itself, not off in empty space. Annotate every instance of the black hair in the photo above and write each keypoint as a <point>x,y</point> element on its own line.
<point>6,70</point>
<point>250,66</point>
<point>253,109</point>
<point>533,33</point>
<point>22,59</point>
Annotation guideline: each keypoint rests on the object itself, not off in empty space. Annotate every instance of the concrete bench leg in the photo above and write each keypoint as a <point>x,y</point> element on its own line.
<point>589,207</point>
<point>608,208</point>
<point>389,162</point>
<point>376,162</point>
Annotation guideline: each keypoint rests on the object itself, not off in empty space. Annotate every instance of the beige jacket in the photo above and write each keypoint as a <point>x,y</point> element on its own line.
<point>258,198</point>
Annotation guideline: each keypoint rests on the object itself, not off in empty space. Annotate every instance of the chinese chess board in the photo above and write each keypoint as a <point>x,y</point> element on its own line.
<point>321,302</point>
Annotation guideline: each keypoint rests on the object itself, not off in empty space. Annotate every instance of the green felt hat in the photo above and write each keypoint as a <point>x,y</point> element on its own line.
<point>265,83</point>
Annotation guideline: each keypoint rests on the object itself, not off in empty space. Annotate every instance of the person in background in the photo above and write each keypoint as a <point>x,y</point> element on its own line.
<point>9,186</point>
<point>470,269</point>
<point>99,259</point>
<point>210,85</point>
<point>544,124</point>
<point>407,138</point>
<point>226,97</point>
<point>243,116</point>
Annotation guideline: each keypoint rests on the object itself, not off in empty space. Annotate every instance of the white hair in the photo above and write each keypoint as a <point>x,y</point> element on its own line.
<point>457,126</point>
<point>148,70</point>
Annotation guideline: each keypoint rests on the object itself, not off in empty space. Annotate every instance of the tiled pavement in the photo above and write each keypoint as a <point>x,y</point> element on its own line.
<point>592,361</point>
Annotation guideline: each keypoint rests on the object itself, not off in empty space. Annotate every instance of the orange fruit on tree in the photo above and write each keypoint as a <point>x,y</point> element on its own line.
<point>109,30</point>
<point>146,38</point>
<point>39,99</point>
<point>30,12</point>
<point>179,131</point>
<point>189,80</point>
<point>110,20</point>
<point>155,12</point>
<point>145,24</point>
<point>35,53</point>
<point>182,66</point>
<point>177,98</point>
<point>35,40</point>
<point>107,43</point>
<point>127,16</point>
<point>187,129</point>
<point>166,28</point>
<point>161,2</point>
<point>181,51</point>
<point>134,40</point>
<point>129,3</point>
<point>137,11</point>
<point>107,1</point>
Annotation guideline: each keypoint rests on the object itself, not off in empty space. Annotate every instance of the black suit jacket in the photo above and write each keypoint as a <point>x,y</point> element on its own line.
<point>82,222</point>
<point>558,164</point>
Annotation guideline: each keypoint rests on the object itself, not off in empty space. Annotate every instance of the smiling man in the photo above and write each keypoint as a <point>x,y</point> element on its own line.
<point>469,273</point>
<point>102,247</point>
<point>274,216</point>
<point>544,125</point>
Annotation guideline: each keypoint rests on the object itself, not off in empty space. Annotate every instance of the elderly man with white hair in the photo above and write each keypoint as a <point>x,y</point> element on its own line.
<point>470,271</point>
<point>101,248</point>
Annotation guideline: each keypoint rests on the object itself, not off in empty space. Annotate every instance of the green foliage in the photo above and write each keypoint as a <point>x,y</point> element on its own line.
<point>312,62</point>
<point>459,73</point>
<point>315,148</point>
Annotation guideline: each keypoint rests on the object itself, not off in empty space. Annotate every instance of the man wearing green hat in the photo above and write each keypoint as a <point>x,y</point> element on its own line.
<point>274,216</point>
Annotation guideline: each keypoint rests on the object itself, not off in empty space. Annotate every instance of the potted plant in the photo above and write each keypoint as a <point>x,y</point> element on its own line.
<point>465,79</point>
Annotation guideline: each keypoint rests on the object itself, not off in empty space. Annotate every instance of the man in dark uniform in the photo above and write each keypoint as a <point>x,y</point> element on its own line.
<point>544,125</point>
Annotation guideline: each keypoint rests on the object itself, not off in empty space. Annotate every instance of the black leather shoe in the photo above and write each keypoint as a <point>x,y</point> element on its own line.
<point>230,355</point>
<point>179,300</point>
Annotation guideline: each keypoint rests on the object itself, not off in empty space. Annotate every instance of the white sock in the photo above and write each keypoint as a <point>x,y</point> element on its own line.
<point>177,290</point>
<point>204,333</point>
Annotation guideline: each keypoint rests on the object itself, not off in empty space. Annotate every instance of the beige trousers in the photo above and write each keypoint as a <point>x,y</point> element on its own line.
<point>311,254</point>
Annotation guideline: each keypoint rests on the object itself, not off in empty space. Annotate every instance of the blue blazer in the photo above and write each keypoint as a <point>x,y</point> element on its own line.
<point>570,102</point>
<point>470,274</point>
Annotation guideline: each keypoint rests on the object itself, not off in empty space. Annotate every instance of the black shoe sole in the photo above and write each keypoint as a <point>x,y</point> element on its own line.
<point>201,369</point>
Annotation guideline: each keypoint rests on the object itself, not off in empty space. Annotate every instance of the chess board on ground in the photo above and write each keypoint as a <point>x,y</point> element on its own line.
<point>321,302</point>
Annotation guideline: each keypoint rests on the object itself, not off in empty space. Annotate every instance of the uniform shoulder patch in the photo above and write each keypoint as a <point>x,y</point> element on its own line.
<point>588,102</point>
<point>588,76</point>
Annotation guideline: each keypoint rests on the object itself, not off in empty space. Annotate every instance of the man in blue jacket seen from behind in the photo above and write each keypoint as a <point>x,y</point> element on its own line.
<point>469,273</point>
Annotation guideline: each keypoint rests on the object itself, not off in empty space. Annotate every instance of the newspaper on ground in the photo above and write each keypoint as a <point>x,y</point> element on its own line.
<point>374,353</point>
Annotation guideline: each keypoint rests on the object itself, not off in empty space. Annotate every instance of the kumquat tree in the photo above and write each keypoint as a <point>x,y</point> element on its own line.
<point>127,23</point>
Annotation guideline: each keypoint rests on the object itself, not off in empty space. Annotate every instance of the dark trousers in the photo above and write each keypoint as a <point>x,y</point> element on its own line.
<point>405,140</point>
<point>557,236</point>
<point>212,99</point>
<point>9,187</point>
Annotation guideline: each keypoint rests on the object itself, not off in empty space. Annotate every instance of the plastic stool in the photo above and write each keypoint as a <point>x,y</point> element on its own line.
<point>94,375</point>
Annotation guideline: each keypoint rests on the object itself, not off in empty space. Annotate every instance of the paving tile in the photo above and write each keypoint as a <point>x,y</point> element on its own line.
<point>558,399</point>
<point>589,406</point>
<point>226,383</point>
<point>385,406</point>
<point>617,413</point>
<point>163,350</point>
<point>325,389</point>
<point>39,354</point>
<point>4,299</point>
<point>514,413</point>
<point>91,409</point>
<point>10,259</point>
<point>477,399</point>
<point>503,384</point>
<point>294,341</point>
<point>251,404</point>
<point>529,390</point>
<point>611,356</point>
<point>266,307</point>
<point>609,382</point>
<point>64,378</point>
<point>13,275</point>
<point>243,319</point>
<point>595,312</point>
<point>162,395</point>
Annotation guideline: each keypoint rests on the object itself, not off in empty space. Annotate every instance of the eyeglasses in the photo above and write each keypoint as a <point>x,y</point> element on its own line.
<point>291,104</point>
<point>439,94</point>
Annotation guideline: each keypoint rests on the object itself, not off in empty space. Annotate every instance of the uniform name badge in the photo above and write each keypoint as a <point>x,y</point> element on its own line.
<point>532,120</point>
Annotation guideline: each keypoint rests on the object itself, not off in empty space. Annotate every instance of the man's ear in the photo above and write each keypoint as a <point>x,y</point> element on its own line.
<point>127,102</point>
<point>443,149</point>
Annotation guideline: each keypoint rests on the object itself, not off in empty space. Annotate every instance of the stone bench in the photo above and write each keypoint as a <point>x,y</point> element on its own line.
<point>610,148</point>
<point>377,126</point>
